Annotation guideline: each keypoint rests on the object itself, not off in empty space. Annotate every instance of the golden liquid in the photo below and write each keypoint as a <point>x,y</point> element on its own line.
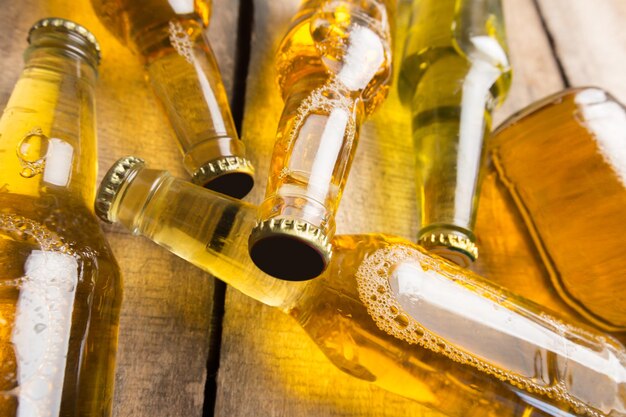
<point>553,168</point>
<point>322,68</point>
<point>454,71</point>
<point>143,24</point>
<point>60,288</point>
<point>445,358</point>
<point>183,73</point>
<point>86,384</point>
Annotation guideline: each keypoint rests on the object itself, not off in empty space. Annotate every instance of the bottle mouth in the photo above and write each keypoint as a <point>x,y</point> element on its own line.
<point>235,184</point>
<point>288,249</point>
<point>230,175</point>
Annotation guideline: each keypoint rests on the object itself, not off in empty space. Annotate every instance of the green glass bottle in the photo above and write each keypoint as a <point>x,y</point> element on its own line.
<point>455,70</point>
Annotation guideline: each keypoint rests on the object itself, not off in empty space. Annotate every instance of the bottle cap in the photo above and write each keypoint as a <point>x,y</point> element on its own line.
<point>230,175</point>
<point>455,247</point>
<point>112,184</point>
<point>289,249</point>
<point>57,23</point>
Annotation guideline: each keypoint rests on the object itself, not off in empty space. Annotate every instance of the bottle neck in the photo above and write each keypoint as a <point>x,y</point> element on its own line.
<point>48,127</point>
<point>159,39</point>
<point>456,69</point>
<point>450,128</point>
<point>185,77</point>
<point>205,228</point>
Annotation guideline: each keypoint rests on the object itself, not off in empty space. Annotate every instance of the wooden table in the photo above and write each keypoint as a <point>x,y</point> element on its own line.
<point>177,326</point>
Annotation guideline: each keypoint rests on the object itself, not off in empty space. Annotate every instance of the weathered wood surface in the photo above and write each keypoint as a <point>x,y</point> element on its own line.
<point>589,41</point>
<point>268,365</point>
<point>166,324</point>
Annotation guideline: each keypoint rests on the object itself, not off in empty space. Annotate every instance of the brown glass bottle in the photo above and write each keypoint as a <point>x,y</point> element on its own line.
<point>389,312</point>
<point>455,70</point>
<point>552,217</point>
<point>334,68</point>
<point>60,288</point>
<point>170,37</point>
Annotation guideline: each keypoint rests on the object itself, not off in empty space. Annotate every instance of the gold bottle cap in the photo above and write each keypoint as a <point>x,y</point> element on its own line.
<point>230,175</point>
<point>455,247</point>
<point>68,26</point>
<point>112,183</point>
<point>289,249</point>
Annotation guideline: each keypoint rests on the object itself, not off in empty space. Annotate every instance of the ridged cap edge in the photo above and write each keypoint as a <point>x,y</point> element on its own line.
<point>70,26</point>
<point>111,185</point>
<point>295,228</point>
<point>450,240</point>
<point>217,167</point>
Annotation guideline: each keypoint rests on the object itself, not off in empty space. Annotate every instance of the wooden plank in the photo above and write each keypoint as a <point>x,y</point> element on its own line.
<point>589,39</point>
<point>165,325</point>
<point>269,367</point>
<point>535,70</point>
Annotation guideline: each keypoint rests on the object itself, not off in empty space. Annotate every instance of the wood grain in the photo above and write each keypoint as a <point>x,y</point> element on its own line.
<point>269,367</point>
<point>589,40</point>
<point>166,325</point>
<point>535,70</point>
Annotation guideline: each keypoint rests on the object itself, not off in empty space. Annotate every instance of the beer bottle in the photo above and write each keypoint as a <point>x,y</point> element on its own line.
<point>60,288</point>
<point>555,188</point>
<point>455,70</point>
<point>170,37</point>
<point>334,69</point>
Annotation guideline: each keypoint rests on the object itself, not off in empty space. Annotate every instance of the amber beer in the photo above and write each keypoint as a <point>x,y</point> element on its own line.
<point>555,188</point>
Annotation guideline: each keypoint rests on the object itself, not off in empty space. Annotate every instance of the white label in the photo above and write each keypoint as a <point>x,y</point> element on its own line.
<point>58,162</point>
<point>181,6</point>
<point>607,121</point>
<point>364,57</point>
<point>41,331</point>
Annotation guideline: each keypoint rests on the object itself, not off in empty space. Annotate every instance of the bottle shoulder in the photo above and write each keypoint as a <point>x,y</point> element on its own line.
<point>54,222</point>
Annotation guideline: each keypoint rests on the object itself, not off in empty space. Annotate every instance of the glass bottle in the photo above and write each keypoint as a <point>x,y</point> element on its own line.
<point>334,69</point>
<point>170,37</point>
<point>454,71</point>
<point>558,168</point>
<point>60,288</point>
<point>387,311</point>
